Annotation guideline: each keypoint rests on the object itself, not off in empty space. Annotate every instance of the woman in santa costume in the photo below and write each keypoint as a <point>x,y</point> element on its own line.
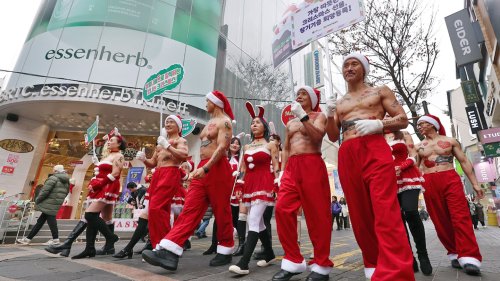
<point>409,180</point>
<point>104,192</point>
<point>258,191</point>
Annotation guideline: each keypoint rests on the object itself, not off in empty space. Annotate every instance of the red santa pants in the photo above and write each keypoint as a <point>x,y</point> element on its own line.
<point>305,183</point>
<point>448,208</point>
<point>366,172</point>
<point>214,189</point>
<point>164,184</point>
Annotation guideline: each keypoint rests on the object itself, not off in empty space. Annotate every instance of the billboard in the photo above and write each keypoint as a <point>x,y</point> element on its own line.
<point>463,40</point>
<point>122,43</point>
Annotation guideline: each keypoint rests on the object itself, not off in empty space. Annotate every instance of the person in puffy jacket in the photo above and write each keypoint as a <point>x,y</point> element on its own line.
<point>48,201</point>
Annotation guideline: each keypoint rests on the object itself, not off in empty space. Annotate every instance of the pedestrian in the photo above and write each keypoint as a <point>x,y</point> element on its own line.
<point>336,212</point>
<point>201,233</point>
<point>210,184</point>
<point>473,214</point>
<point>480,213</point>
<point>366,170</point>
<point>258,191</point>
<point>104,191</point>
<point>409,181</point>
<point>49,201</point>
<point>444,193</point>
<point>345,213</point>
<point>304,182</point>
<point>238,209</point>
<point>140,196</point>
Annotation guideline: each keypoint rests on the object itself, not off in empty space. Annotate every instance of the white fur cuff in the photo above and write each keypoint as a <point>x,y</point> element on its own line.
<point>469,260</point>
<point>171,246</point>
<point>293,267</point>
<point>369,272</point>
<point>324,270</point>
<point>224,250</point>
<point>110,176</point>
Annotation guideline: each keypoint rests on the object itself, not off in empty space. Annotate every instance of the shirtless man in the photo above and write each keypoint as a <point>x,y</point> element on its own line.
<point>211,183</point>
<point>304,182</point>
<point>366,171</point>
<point>168,156</point>
<point>444,194</point>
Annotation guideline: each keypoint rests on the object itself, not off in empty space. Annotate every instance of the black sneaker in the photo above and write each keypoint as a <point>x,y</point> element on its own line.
<point>314,276</point>
<point>455,264</point>
<point>162,258</point>
<point>221,259</point>
<point>471,269</point>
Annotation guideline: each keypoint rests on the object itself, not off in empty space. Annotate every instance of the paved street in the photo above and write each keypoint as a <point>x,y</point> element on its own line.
<point>33,263</point>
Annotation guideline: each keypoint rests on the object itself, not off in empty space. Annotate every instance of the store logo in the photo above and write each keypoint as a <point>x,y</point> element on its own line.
<point>97,54</point>
<point>14,145</point>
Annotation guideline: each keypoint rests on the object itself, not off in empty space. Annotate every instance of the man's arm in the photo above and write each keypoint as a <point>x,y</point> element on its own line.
<point>466,166</point>
<point>286,150</point>
<point>398,120</point>
<point>151,163</point>
<point>181,152</point>
<point>315,130</point>
<point>332,127</point>
<point>223,142</point>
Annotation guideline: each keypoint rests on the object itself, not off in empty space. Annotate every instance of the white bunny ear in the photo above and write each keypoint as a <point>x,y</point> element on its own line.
<point>248,136</point>
<point>272,128</point>
<point>116,131</point>
<point>240,135</point>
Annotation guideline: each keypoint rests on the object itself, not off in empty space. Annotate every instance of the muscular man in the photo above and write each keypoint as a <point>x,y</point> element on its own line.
<point>444,194</point>
<point>166,180</point>
<point>304,182</point>
<point>366,171</point>
<point>211,183</point>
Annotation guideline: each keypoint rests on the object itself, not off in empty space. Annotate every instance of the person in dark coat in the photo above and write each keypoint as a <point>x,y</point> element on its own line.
<point>48,201</point>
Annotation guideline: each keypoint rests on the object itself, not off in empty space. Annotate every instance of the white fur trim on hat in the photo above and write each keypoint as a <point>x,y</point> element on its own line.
<point>176,119</point>
<point>362,59</point>
<point>312,94</point>
<point>211,97</point>
<point>59,168</point>
<point>430,120</point>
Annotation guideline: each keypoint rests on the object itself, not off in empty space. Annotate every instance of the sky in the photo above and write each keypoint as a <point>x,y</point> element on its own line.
<point>16,17</point>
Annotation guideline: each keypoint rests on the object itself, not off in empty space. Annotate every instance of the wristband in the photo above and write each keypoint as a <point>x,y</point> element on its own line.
<point>205,169</point>
<point>305,118</point>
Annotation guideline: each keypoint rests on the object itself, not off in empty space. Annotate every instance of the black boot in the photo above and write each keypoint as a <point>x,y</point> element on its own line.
<point>415,265</point>
<point>241,229</point>
<point>187,245</point>
<point>241,268</point>
<point>147,246</point>
<point>163,258</point>
<point>268,214</point>
<point>418,232</point>
<point>109,246</point>
<point>140,231</point>
<point>90,236</point>
<point>65,247</point>
<point>221,259</point>
<point>269,256</point>
<point>211,250</point>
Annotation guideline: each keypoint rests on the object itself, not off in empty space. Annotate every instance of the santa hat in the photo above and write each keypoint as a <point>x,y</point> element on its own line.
<point>362,59</point>
<point>177,120</point>
<point>220,100</point>
<point>314,94</point>
<point>434,121</point>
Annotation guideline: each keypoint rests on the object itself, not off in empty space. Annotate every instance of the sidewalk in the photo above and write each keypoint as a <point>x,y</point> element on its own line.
<point>33,263</point>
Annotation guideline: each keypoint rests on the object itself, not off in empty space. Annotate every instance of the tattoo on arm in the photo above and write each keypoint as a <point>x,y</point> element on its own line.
<point>226,124</point>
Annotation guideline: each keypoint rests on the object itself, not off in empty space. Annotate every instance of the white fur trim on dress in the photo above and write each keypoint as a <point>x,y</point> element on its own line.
<point>253,151</point>
<point>411,187</point>
<point>171,246</point>
<point>110,177</point>
<point>223,250</point>
<point>369,272</point>
<point>293,267</point>
<point>430,120</point>
<point>325,270</point>
<point>469,260</point>
<point>105,162</point>
<point>452,256</point>
<point>213,98</point>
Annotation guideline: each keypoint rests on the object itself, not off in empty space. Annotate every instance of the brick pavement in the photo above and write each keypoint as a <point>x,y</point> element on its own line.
<point>33,263</point>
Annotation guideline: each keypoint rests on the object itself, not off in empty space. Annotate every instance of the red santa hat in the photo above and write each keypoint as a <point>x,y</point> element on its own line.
<point>434,121</point>
<point>362,59</point>
<point>220,100</point>
<point>314,94</point>
<point>177,120</point>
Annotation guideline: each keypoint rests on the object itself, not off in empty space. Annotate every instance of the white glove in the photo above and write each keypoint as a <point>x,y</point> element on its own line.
<point>297,110</point>
<point>95,160</point>
<point>163,142</point>
<point>278,179</point>
<point>331,106</point>
<point>141,156</point>
<point>369,127</point>
<point>240,181</point>
<point>236,173</point>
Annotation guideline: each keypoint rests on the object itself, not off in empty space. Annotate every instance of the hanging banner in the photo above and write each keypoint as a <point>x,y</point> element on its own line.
<point>318,19</point>
<point>489,135</point>
<point>134,175</point>
<point>462,37</point>
<point>165,80</point>
<point>473,116</point>
<point>485,172</point>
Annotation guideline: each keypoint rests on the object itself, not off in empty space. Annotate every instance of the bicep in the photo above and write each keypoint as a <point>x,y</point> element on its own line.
<point>390,103</point>
<point>320,123</point>
<point>224,135</point>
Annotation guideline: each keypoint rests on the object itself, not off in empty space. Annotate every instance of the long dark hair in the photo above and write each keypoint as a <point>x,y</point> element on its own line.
<point>267,131</point>
<point>237,155</point>
<point>277,137</point>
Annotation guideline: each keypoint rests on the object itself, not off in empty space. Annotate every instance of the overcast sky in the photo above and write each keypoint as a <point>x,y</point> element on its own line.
<point>16,17</point>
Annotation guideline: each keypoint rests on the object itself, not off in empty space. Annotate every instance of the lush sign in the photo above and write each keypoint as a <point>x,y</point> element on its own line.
<point>188,126</point>
<point>165,80</point>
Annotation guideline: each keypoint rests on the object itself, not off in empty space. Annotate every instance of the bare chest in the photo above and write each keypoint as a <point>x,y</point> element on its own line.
<point>369,102</point>
<point>433,149</point>
<point>209,132</point>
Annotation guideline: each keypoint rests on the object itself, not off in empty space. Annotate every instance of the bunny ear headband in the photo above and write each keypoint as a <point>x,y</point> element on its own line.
<point>272,129</point>
<point>251,110</point>
<point>112,133</point>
